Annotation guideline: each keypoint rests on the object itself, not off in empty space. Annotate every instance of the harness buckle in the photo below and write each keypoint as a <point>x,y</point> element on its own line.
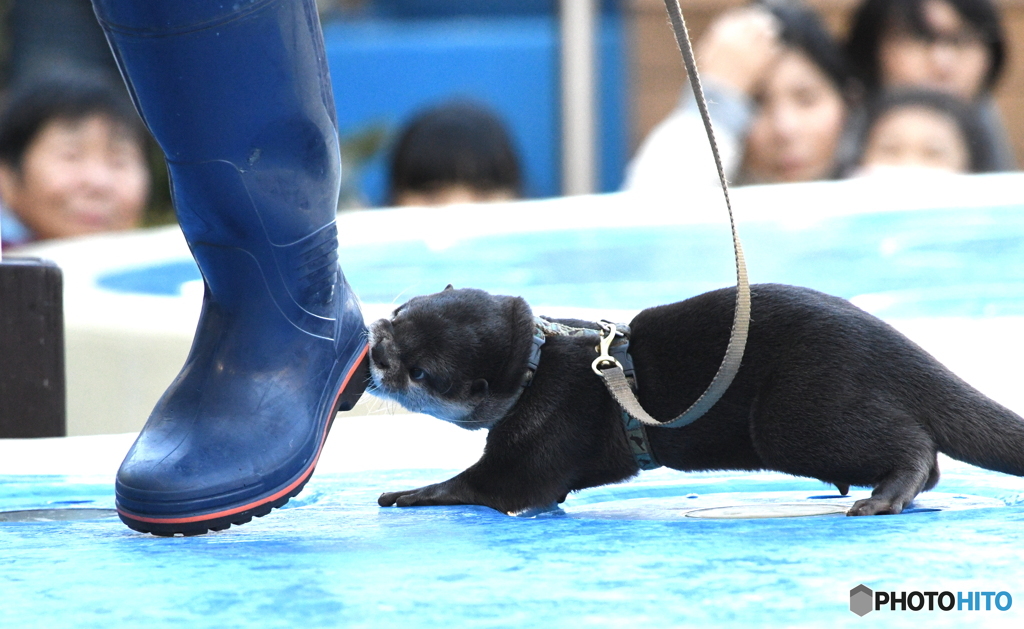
<point>605,359</point>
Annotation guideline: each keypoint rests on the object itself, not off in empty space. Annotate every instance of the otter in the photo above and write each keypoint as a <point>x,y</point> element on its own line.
<point>825,391</point>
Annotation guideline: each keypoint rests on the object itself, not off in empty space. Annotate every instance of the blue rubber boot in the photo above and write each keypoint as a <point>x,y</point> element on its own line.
<point>238,97</point>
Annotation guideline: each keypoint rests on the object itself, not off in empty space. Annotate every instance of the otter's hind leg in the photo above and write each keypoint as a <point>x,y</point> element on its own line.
<point>899,488</point>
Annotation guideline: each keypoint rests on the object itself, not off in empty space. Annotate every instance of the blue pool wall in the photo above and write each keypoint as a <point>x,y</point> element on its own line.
<point>393,59</point>
<point>944,262</point>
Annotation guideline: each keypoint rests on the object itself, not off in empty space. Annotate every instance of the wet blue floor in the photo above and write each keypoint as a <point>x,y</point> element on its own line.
<point>620,556</point>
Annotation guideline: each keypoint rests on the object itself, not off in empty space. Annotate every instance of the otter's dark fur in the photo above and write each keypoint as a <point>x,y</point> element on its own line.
<point>825,391</point>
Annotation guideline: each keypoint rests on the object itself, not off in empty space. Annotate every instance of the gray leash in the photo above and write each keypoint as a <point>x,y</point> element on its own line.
<point>607,366</point>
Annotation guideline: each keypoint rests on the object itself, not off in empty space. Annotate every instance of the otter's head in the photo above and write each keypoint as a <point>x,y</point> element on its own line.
<point>459,355</point>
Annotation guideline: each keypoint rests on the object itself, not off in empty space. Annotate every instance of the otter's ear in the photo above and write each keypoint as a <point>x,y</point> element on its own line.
<point>449,287</point>
<point>478,388</point>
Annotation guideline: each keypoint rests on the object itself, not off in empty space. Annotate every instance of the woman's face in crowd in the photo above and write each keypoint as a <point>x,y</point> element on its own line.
<point>955,60</point>
<point>916,137</point>
<point>798,123</point>
<point>78,177</point>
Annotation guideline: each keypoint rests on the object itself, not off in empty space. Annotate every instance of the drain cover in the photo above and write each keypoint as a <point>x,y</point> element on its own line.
<point>55,515</point>
<point>753,511</point>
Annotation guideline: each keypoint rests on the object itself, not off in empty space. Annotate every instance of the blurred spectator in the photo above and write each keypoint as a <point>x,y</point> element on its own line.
<point>957,46</point>
<point>922,130</point>
<point>454,153</point>
<point>779,93</point>
<point>72,159</point>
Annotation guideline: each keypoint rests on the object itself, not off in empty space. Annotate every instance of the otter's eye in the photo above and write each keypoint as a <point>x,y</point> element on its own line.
<point>417,374</point>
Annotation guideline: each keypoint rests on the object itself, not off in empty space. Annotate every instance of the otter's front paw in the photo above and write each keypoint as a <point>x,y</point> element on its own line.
<point>429,496</point>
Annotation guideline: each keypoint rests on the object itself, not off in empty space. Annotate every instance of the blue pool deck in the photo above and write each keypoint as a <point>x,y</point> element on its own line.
<point>944,264</point>
<point>612,557</point>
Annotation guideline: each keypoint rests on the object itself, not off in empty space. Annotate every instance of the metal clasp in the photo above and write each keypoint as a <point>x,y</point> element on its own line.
<point>605,359</point>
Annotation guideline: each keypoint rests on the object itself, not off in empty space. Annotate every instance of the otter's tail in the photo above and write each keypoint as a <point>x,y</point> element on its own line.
<point>973,428</point>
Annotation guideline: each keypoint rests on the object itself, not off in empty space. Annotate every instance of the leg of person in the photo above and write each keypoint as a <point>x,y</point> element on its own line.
<point>239,99</point>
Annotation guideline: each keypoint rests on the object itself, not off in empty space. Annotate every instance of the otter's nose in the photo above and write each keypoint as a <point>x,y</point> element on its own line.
<point>379,356</point>
<point>381,331</point>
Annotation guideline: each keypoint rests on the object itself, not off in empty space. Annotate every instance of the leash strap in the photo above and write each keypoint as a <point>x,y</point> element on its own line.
<point>614,377</point>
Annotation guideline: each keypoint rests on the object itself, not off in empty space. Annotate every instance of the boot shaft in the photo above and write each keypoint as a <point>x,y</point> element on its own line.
<point>239,99</point>
<point>245,86</point>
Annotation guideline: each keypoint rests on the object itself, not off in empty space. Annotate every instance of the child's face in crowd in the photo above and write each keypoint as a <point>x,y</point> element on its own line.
<point>798,124</point>
<point>956,60</point>
<point>916,137</point>
<point>78,177</point>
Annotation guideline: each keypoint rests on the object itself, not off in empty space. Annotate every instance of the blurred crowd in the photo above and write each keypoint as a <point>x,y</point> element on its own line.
<point>908,93</point>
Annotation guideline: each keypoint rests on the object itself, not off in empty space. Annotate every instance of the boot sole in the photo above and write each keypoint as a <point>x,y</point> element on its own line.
<point>351,390</point>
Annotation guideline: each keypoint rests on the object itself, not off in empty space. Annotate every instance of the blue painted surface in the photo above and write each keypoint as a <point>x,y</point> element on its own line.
<point>333,558</point>
<point>961,262</point>
<point>392,62</point>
